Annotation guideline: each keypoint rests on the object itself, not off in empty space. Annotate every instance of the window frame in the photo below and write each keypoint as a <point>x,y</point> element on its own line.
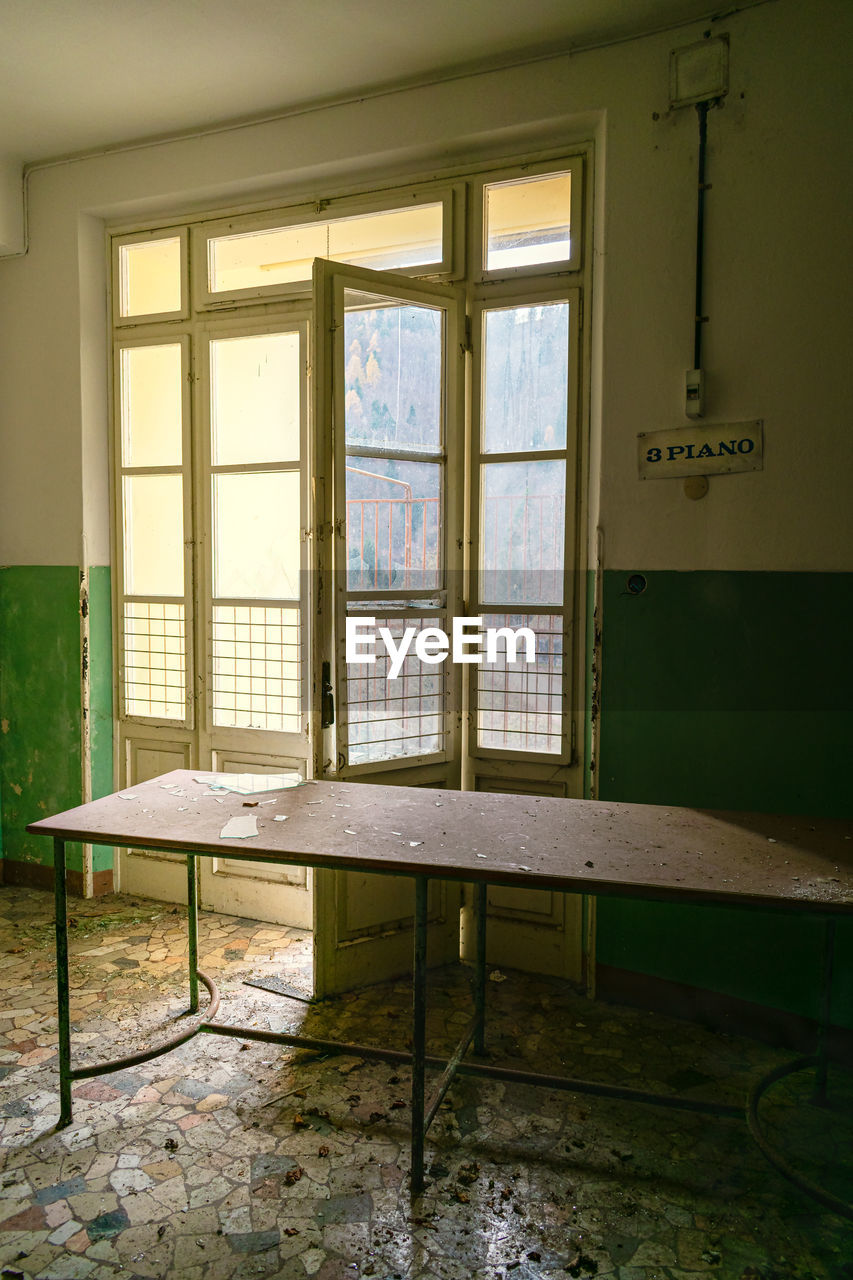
<point>147,319</point>
<point>125,341</point>
<point>574,165</point>
<point>517,295</point>
<point>463,188</point>
<point>207,330</point>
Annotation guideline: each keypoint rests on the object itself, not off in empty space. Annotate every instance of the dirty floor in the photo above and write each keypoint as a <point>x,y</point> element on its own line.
<point>230,1160</point>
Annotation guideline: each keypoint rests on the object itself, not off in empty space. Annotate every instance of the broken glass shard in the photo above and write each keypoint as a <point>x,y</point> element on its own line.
<point>239,828</point>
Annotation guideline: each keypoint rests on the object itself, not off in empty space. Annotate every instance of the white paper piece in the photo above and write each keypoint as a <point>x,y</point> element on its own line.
<point>127,795</point>
<point>280,817</point>
<point>239,828</point>
<point>248,784</point>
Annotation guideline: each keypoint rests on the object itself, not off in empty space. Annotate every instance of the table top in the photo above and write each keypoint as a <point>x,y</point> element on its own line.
<point>579,846</point>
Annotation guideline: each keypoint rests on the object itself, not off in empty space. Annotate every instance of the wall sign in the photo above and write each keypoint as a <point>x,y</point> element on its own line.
<point>709,449</point>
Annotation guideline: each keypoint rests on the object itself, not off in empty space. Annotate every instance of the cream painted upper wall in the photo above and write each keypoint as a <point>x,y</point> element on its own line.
<point>776,290</point>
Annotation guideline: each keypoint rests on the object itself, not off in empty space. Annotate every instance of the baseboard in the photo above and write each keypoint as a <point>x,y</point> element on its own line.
<point>721,1013</point>
<point>35,875</point>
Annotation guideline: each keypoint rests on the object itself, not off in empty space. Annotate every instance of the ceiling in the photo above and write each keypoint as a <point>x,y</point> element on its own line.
<point>78,75</point>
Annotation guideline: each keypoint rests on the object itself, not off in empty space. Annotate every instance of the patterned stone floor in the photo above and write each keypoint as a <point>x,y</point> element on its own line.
<point>231,1160</point>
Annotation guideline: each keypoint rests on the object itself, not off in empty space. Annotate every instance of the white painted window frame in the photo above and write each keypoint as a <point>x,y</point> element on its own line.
<point>463,239</point>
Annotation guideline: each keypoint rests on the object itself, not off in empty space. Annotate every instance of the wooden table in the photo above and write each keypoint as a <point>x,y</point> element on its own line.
<point>797,865</point>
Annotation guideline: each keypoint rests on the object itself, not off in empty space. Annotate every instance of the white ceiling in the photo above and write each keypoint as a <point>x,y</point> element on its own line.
<point>81,74</point>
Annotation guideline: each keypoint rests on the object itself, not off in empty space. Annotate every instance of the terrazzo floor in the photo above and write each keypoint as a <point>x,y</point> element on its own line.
<point>230,1160</point>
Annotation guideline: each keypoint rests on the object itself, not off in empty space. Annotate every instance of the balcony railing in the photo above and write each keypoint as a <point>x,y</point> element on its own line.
<point>393,543</point>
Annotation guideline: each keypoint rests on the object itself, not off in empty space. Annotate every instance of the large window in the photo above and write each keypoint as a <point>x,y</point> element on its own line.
<point>441,481</point>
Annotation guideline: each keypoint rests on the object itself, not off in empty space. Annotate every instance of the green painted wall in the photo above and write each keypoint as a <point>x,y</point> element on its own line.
<point>728,690</point>
<point>40,715</point>
<point>40,746</point>
<point>101,695</point>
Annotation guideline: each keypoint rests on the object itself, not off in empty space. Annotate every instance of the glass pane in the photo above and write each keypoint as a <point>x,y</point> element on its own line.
<point>390,240</point>
<point>525,378</point>
<point>254,397</point>
<point>151,386</point>
<point>154,661</point>
<point>256,535</point>
<point>527,221</point>
<point>393,719</point>
<point>153,535</point>
<point>256,668</point>
<point>393,377</point>
<point>393,524</point>
<point>519,704</point>
<point>150,277</point>
<point>522,532</point>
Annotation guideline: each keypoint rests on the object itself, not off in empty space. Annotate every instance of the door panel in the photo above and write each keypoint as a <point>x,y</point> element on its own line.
<point>280,895</point>
<point>533,929</point>
<point>388,365</point>
<point>356,939</point>
<point>153,874</point>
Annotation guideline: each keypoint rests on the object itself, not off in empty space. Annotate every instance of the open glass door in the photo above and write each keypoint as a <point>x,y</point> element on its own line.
<point>388,378</point>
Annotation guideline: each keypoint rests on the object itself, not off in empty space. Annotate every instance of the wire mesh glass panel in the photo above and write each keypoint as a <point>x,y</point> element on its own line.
<point>528,221</point>
<point>154,660</point>
<point>256,670</point>
<point>394,719</point>
<point>519,704</point>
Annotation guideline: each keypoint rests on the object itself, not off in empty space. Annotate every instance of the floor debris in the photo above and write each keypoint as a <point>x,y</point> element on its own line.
<point>225,1160</point>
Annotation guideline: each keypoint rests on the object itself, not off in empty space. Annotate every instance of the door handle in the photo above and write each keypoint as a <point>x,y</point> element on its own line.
<point>327,698</point>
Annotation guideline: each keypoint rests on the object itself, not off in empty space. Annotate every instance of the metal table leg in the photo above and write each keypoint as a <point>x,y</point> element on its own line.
<point>419,1033</point>
<point>480,971</point>
<point>819,1095</point>
<point>192,929</point>
<point>63,996</point>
